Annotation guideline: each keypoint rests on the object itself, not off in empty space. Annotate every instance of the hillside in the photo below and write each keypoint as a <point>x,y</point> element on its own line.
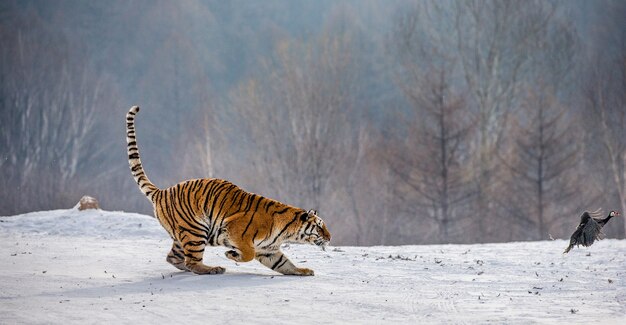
<point>66,266</point>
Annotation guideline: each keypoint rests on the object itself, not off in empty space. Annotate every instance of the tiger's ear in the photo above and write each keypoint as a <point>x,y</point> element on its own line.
<point>304,217</point>
<point>313,212</point>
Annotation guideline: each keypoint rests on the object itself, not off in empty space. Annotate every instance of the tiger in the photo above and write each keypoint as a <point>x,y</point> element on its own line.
<point>214,212</point>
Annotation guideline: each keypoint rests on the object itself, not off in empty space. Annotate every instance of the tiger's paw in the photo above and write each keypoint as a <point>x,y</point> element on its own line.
<point>203,269</point>
<point>216,270</point>
<point>304,272</point>
<point>233,255</point>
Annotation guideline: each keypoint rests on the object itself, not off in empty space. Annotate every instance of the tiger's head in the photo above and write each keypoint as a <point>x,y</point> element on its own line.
<point>312,230</point>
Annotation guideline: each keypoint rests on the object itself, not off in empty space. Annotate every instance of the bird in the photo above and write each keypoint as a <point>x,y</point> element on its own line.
<point>589,229</point>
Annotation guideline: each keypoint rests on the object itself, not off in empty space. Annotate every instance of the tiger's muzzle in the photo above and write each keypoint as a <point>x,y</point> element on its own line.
<point>324,237</point>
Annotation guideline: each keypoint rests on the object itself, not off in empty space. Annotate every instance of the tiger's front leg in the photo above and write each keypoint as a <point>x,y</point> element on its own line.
<point>278,262</point>
<point>241,243</point>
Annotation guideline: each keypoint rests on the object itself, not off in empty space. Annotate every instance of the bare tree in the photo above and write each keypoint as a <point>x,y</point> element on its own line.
<point>546,156</point>
<point>432,160</point>
<point>50,107</point>
<point>606,108</point>
<point>370,188</point>
<point>488,51</point>
<point>436,136</point>
<point>200,157</point>
<point>496,42</point>
<point>299,120</point>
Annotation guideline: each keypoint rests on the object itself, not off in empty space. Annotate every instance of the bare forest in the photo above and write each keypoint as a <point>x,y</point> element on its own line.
<point>401,122</point>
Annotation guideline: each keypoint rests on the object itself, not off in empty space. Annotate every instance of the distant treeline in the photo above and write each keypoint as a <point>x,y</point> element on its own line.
<point>401,122</point>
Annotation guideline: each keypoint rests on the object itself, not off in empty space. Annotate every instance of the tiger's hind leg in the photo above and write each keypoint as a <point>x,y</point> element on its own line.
<point>176,256</point>
<point>278,262</point>
<point>193,250</point>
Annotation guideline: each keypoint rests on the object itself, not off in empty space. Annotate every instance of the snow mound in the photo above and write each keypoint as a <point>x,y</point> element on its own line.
<point>109,267</point>
<point>89,223</point>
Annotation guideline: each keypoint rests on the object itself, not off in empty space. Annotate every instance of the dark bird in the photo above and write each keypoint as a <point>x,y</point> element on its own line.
<point>589,229</point>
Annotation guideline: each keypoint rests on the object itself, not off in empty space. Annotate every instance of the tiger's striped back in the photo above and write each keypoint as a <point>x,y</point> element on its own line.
<point>134,161</point>
<point>204,208</point>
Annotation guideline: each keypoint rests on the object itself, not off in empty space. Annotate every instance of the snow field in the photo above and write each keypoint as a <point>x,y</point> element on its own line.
<point>68,266</point>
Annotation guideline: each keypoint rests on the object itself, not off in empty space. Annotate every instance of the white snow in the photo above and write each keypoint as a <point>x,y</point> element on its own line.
<point>93,266</point>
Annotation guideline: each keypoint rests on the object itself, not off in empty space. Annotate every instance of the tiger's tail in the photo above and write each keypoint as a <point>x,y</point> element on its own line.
<point>136,169</point>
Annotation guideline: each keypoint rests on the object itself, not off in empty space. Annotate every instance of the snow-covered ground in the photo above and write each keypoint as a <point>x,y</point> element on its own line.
<point>67,266</point>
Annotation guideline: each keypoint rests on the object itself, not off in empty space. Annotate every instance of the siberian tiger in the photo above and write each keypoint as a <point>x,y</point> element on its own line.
<point>213,212</point>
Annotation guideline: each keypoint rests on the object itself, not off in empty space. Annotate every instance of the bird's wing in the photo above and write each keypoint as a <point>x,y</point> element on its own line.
<point>585,216</point>
<point>595,214</point>
<point>591,231</point>
<point>578,237</point>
